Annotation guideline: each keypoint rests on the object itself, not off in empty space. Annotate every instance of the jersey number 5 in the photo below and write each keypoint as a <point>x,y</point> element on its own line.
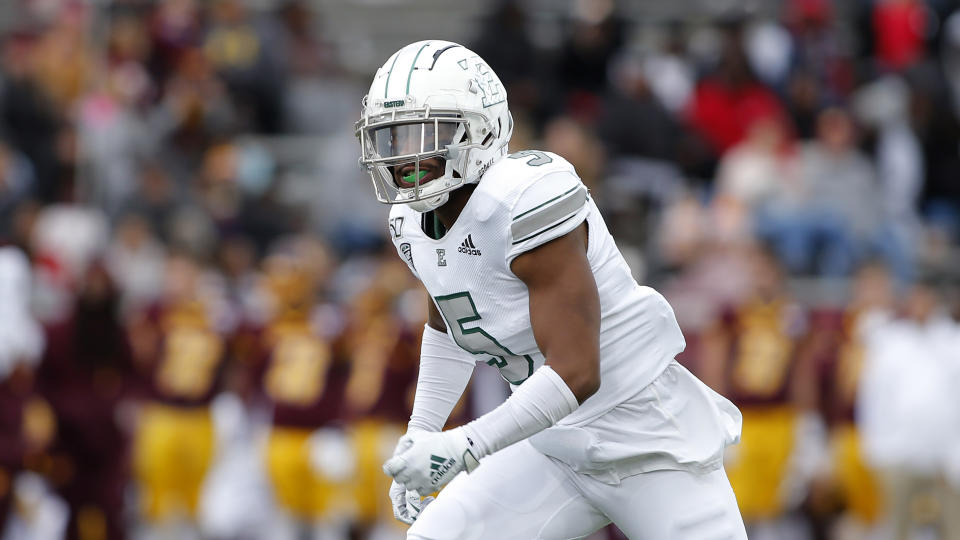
<point>538,158</point>
<point>458,309</point>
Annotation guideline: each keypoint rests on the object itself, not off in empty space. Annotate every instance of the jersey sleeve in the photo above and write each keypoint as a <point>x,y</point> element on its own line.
<point>548,208</point>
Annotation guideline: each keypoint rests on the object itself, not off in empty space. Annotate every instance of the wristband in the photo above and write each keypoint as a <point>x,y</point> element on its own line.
<point>540,402</point>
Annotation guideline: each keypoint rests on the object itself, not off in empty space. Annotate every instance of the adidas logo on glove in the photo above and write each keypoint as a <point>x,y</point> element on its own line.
<point>468,247</point>
<point>439,466</point>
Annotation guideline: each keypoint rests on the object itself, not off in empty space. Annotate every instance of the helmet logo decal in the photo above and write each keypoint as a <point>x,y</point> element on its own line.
<point>486,82</point>
<point>489,86</point>
<point>394,103</point>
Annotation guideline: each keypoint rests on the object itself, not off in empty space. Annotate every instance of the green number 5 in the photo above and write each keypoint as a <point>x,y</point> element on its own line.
<point>458,309</point>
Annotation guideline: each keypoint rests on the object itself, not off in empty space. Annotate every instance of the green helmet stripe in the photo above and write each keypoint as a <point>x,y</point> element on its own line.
<point>386,87</point>
<point>413,65</point>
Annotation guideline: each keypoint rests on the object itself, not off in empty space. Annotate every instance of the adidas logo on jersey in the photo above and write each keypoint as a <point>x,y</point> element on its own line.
<point>468,247</point>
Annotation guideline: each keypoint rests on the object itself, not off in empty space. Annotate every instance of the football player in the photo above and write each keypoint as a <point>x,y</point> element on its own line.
<point>603,425</point>
<point>383,349</point>
<point>84,374</point>
<point>27,424</point>
<point>179,351</point>
<point>297,376</point>
<point>837,350</point>
<point>750,355</point>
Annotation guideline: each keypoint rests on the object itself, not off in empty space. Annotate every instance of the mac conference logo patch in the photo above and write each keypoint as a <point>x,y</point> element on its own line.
<point>407,254</point>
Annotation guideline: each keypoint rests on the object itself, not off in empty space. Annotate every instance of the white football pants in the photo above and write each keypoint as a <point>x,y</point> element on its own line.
<point>519,493</point>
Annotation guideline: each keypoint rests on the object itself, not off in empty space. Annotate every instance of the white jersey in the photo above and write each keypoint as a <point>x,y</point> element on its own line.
<point>521,202</point>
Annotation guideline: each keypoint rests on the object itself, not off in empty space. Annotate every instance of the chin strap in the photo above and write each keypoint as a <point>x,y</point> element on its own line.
<point>432,203</point>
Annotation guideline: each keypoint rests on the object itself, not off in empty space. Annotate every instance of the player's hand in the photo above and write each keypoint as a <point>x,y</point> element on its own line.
<point>426,461</point>
<point>407,505</point>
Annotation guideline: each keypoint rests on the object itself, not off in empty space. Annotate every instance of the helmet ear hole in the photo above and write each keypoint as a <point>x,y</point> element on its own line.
<point>487,139</point>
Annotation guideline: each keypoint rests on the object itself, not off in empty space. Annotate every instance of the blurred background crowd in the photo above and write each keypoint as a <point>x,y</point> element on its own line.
<point>205,333</point>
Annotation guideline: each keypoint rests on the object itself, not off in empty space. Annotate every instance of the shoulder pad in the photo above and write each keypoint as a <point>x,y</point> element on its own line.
<point>546,202</point>
<point>509,177</point>
<point>546,207</point>
<point>525,165</point>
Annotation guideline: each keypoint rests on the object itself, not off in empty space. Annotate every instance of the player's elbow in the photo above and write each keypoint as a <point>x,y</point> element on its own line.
<point>590,385</point>
<point>583,381</point>
<point>587,388</point>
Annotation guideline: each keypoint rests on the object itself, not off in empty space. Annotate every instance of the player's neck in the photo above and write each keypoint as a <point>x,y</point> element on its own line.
<point>449,212</point>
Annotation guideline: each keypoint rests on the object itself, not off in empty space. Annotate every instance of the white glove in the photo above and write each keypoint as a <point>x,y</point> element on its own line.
<point>407,505</point>
<point>426,461</point>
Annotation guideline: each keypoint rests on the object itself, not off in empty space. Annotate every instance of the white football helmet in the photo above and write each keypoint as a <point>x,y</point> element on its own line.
<point>432,99</point>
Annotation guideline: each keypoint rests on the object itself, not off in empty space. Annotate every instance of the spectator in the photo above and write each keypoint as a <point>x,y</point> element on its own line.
<point>565,136</point>
<point>194,108</point>
<point>155,200</point>
<point>726,103</point>
<point>834,205</point>
<point>315,76</point>
<point>27,116</point>
<point>64,64</point>
<point>752,174</point>
<point>633,121</point>
<point>174,29</point>
<point>247,52</point>
<point>669,72</point>
<point>820,50</point>
<point>17,183</point>
<point>899,28</point>
<point>938,132</point>
<point>596,34</point>
<point>505,32</point>
<point>115,136</point>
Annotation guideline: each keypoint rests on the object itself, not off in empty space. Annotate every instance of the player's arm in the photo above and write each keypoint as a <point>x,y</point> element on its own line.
<point>565,309</point>
<point>444,373</point>
<point>445,370</point>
